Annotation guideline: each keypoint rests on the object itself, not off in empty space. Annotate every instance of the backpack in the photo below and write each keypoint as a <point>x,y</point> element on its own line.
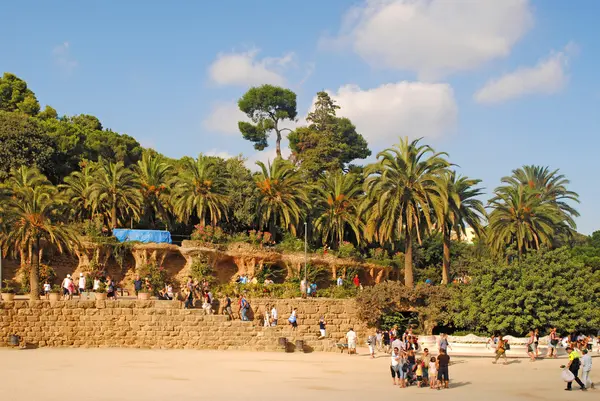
<point>405,367</point>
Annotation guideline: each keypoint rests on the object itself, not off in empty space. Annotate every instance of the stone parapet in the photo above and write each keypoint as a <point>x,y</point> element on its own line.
<point>165,324</point>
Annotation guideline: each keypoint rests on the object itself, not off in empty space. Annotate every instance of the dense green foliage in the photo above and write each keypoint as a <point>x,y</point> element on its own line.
<point>62,176</point>
<point>329,142</point>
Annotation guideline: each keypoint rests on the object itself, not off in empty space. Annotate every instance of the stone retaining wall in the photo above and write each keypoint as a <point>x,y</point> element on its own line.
<point>164,324</point>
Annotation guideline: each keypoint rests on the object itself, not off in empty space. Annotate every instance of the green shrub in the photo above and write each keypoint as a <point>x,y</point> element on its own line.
<point>347,250</point>
<point>202,270</point>
<point>209,234</point>
<point>156,274</point>
<point>290,244</point>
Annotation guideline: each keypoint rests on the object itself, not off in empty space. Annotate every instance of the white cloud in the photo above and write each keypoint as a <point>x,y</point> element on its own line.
<point>219,153</point>
<point>547,77</point>
<point>267,155</point>
<point>63,58</point>
<point>223,118</point>
<point>433,37</point>
<point>245,69</point>
<point>394,110</point>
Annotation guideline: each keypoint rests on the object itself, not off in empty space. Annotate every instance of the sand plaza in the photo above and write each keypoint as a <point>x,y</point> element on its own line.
<point>138,374</point>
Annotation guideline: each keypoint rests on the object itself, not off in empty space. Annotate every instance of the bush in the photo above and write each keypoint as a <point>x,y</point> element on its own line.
<point>347,250</point>
<point>290,244</point>
<point>285,290</point>
<point>156,274</point>
<point>202,270</point>
<point>209,234</point>
<point>46,273</point>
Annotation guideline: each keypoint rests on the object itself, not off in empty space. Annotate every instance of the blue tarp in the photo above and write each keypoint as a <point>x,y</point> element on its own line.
<point>156,236</point>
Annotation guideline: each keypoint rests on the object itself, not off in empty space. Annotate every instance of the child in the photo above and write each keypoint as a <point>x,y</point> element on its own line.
<point>432,373</point>
<point>47,289</point>
<point>419,372</point>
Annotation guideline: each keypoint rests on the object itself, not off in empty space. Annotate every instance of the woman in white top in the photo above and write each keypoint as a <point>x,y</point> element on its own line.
<point>394,367</point>
<point>274,316</point>
<point>266,321</point>
<point>96,284</point>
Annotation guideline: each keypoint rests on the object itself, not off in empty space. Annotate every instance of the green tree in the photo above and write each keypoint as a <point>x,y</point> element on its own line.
<point>23,143</point>
<point>32,214</point>
<point>283,195</point>
<point>458,208</point>
<point>15,96</point>
<point>336,207</point>
<point>521,217</point>
<point>400,188</point>
<point>552,188</point>
<point>154,174</point>
<point>243,195</point>
<point>543,290</point>
<point>267,106</point>
<point>88,122</point>
<point>49,113</point>
<point>111,146</point>
<point>77,192</point>
<point>116,192</point>
<point>329,142</point>
<point>200,189</point>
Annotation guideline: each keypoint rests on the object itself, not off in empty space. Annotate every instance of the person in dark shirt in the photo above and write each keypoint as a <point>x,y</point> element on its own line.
<point>443,360</point>
<point>227,307</point>
<point>137,284</point>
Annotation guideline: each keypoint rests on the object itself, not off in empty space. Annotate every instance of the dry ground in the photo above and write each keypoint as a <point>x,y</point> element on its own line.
<point>168,375</point>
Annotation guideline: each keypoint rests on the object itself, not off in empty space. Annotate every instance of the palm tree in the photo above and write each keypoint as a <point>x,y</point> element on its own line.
<point>552,187</point>
<point>154,174</point>
<point>336,205</point>
<point>400,188</point>
<point>282,196</point>
<point>456,209</point>
<point>32,214</point>
<point>521,217</point>
<point>116,191</point>
<point>200,189</point>
<point>77,191</point>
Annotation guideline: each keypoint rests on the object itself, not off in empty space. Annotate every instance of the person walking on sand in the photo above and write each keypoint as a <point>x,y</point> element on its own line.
<point>530,346</point>
<point>322,325</point>
<point>444,344</point>
<point>573,366</point>
<point>351,339</point>
<point>501,350</point>
<point>586,369</point>
<point>371,341</point>
<point>432,373</point>
<point>552,344</point>
<point>395,366</point>
<point>443,360</point>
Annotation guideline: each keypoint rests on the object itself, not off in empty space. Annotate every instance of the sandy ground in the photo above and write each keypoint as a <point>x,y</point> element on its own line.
<point>131,374</point>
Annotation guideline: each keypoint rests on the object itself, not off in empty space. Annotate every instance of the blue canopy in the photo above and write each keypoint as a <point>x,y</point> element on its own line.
<point>155,236</point>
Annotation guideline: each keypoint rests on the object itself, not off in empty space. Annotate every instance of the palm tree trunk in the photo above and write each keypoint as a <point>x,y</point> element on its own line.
<point>34,273</point>
<point>446,258</point>
<point>278,144</point>
<point>113,212</point>
<point>408,267</point>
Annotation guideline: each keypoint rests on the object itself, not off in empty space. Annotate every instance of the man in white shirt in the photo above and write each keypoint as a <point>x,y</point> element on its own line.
<point>398,343</point>
<point>274,316</point>
<point>586,369</point>
<point>351,337</point>
<point>340,281</point>
<point>81,284</point>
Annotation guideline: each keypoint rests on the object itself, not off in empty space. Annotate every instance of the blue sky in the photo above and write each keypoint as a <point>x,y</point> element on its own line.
<point>496,84</point>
